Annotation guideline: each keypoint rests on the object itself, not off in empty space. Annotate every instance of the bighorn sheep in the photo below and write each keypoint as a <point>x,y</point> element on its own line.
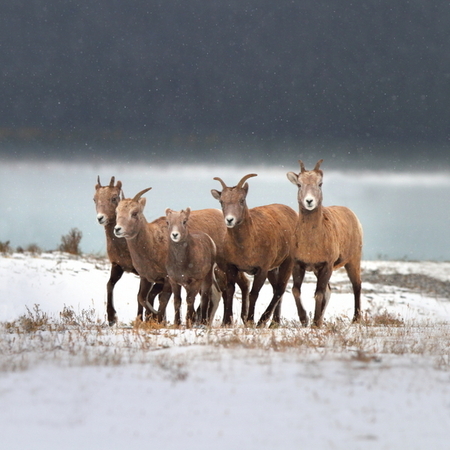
<point>148,242</point>
<point>106,199</point>
<point>327,238</point>
<point>259,241</point>
<point>190,264</point>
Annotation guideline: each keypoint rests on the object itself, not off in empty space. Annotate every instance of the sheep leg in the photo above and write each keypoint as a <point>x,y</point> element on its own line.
<point>192,291</point>
<point>176,290</point>
<point>232,276</point>
<point>354,273</point>
<point>298,274</point>
<point>115,275</point>
<point>164,298</point>
<point>205,303</point>
<point>278,278</point>
<point>214,302</point>
<point>207,297</point>
<point>149,298</point>
<point>244,286</point>
<point>323,293</point>
<point>144,289</point>
<point>258,282</point>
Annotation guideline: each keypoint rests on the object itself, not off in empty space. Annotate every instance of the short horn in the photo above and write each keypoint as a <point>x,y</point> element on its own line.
<point>140,194</point>
<point>316,168</point>
<point>244,179</point>
<point>98,181</point>
<point>221,182</point>
<point>302,166</point>
<point>111,183</point>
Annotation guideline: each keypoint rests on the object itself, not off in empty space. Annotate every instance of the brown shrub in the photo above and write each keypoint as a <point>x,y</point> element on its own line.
<point>70,243</point>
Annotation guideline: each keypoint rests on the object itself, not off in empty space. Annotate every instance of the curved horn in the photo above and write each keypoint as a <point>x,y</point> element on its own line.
<point>221,182</point>
<point>316,168</point>
<point>244,179</point>
<point>302,166</point>
<point>111,183</point>
<point>140,194</point>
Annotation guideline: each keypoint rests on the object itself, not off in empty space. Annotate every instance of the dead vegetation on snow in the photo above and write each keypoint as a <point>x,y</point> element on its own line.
<point>82,340</point>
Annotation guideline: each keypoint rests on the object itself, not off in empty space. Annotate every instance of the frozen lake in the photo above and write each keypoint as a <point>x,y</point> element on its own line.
<point>404,215</point>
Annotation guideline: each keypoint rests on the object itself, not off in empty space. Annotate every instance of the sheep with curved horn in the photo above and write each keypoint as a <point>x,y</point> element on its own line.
<point>106,199</point>
<point>260,242</point>
<point>327,238</point>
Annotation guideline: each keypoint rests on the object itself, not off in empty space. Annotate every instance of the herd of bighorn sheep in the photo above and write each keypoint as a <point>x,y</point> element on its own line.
<point>207,252</point>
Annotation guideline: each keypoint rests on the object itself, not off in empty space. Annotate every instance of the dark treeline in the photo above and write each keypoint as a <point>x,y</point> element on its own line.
<point>210,70</point>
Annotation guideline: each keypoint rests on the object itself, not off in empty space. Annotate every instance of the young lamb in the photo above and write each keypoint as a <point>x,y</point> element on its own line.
<point>148,242</point>
<point>259,241</point>
<point>190,264</point>
<point>327,238</point>
<point>106,199</point>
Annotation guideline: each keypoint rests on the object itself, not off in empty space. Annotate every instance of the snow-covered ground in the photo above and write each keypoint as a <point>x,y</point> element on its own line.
<point>73,382</point>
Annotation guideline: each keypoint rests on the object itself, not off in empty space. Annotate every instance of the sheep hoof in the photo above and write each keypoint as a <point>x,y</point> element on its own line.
<point>274,324</point>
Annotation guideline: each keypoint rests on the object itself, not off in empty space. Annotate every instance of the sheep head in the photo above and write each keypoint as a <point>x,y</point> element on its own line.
<point>130,216</point>
<point>177,223</point>
<point>233,200</point>
<point>309,183</point>
<point>106,199</point>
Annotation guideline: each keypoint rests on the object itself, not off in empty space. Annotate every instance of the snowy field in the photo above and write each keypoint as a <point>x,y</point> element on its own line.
<point>69,381</point>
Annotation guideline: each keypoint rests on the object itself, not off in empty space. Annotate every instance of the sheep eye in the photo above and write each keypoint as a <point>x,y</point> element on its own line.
<point>134,214</point>
<point>320,185</point>
<point>115,199</point>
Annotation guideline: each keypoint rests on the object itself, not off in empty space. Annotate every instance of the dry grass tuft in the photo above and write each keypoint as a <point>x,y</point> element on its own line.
<point>383,319</point>
<point>147,326</point>
<point>80,338</point>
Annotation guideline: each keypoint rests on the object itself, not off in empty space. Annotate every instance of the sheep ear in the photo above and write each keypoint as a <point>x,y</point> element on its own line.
<point>188,212</point>
<point>142,201</point>
<point>292,177</point>
<point>245,187</point>
<point>168,211</point>
<point>216,194</point>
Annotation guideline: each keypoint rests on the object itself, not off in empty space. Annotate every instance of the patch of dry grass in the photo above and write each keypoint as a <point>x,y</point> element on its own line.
<point>81,339</point>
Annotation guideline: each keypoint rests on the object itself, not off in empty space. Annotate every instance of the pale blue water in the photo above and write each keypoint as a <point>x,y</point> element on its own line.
<point>404,215</point>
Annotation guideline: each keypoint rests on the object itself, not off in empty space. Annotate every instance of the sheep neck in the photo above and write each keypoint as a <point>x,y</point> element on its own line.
<point>310,228</point>
<point>180,252</point>
<point>117,248</point>
<point>241,235</point>
<point>148,260</point>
